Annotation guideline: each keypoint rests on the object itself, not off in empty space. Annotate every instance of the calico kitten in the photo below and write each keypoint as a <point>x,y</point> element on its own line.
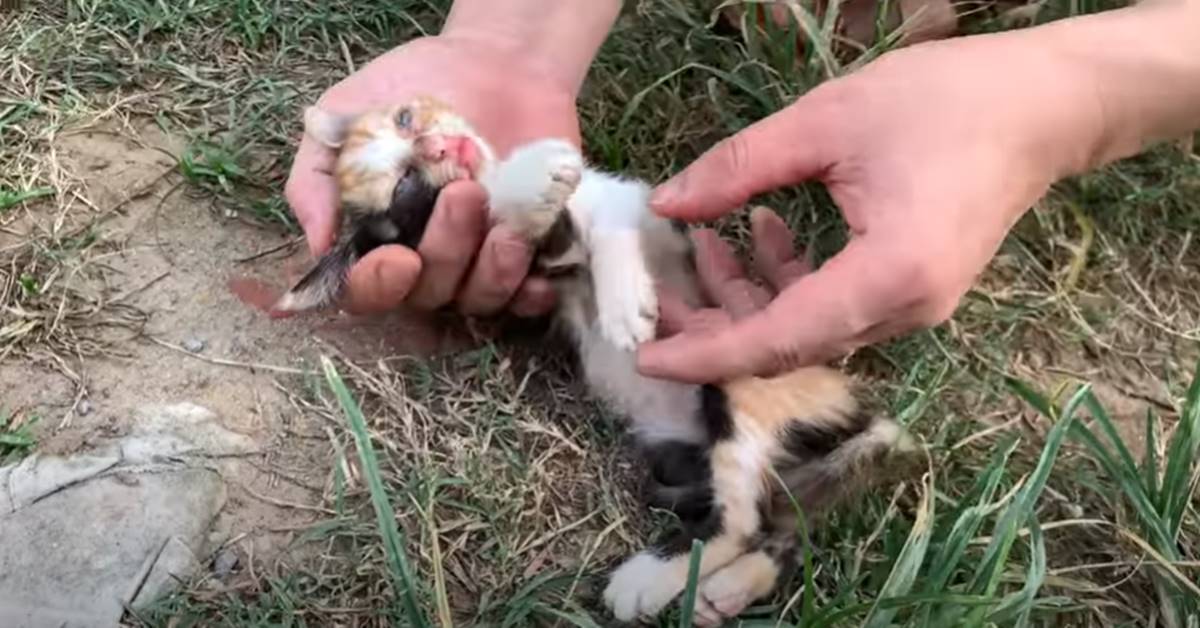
<point>733,461</point>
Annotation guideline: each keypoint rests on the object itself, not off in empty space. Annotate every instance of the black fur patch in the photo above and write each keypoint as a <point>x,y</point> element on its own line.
<point>676,463</point>
<point>413,201</point>
<point>807,440</point>
<point>681,542</point>
<point>714,413</point>
<point>402,223</point>
<point>560,237</point>
<point>680,479</point>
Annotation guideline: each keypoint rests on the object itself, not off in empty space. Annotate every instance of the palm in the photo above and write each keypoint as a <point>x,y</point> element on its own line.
<point>507,105</point>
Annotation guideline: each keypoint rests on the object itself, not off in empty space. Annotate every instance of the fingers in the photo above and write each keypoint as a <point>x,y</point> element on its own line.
<point>785,148</point>
<point>815,318</point>
<point>447,248</point>
<point>535,297</point>
<point>723,278</point>
<point>382,279</point>
<point>502,266</point>
<point>774,251</point>
<point>312,194</point>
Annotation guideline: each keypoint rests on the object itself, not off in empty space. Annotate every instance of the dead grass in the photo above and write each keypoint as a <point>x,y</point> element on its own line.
<point>514,492</point>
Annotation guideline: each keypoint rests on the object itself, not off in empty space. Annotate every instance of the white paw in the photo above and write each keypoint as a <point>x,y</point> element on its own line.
<point>532,186</point>
<point>626,303</point>
<point>565,169</point>
<point>641,587</point>
<point>727,592</point>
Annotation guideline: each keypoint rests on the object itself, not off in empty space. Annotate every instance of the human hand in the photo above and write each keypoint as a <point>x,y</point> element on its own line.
<point>931,153</point>
<point>509,99</point>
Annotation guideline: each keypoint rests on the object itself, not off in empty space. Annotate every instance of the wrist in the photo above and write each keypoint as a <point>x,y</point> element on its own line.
<point>557,40</point>
<point>1139,68</point>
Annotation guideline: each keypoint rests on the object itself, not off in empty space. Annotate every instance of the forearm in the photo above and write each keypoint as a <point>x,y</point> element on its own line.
<point>561,35</point>
<point>1143,66</point>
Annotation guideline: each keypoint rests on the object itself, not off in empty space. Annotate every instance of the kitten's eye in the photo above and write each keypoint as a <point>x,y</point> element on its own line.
<point>404,118</point>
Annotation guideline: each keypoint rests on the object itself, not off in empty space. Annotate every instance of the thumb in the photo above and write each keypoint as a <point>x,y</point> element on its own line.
<point>818,317</point>
<point>311,192</point>
<point>785,148</point>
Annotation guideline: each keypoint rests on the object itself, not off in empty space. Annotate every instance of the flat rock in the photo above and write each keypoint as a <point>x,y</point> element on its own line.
<point>86,535</point>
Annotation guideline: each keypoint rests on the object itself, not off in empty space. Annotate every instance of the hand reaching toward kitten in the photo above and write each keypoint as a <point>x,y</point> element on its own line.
<point>512,85</point>
<point>932,153</point>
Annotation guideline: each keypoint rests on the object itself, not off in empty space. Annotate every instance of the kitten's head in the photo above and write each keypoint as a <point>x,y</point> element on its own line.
<point>390,164</point>
<point>378,148</point>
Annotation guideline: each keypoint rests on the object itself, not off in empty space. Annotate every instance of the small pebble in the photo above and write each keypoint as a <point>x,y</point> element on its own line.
<point>194,345</point>
<point>85,408</point>
<point>224,563</point>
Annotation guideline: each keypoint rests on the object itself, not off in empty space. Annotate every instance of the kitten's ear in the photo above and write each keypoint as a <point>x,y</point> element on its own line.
<point>326,127</point>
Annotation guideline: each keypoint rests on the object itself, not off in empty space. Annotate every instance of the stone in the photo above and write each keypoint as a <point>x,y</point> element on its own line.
<point>88,534</point>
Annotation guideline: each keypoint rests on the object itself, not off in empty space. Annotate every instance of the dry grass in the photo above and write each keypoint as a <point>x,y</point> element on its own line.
<point>514,492</point>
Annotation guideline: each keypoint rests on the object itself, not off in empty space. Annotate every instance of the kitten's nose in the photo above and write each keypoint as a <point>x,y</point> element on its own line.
<point>432,147</point>
<point>456,148</point>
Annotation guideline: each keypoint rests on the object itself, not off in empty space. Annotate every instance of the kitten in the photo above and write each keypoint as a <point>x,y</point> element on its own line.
<point>727,459</point>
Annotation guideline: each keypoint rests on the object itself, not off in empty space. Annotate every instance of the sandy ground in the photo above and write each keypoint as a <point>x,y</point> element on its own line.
<point>177,263</point>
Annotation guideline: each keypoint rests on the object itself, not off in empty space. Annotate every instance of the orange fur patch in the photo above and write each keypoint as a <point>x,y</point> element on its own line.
<point>814,393</point>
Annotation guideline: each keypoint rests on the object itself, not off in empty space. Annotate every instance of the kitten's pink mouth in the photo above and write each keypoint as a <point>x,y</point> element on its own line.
<point>460,151</point>
<point>463,152</point>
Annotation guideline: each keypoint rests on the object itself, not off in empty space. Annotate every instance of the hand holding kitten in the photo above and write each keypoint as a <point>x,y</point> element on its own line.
<point>459,259</point>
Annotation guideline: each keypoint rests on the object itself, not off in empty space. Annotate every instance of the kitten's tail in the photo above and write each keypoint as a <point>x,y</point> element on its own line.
<point>323,285</point>
<point>817,480</point>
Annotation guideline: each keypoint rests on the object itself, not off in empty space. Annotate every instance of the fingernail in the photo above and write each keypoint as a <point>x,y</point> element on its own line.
<point>761,212</point>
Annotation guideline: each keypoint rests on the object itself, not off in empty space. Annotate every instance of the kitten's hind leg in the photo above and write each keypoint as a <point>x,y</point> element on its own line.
<point>644,584</point>
<point>728,591</point>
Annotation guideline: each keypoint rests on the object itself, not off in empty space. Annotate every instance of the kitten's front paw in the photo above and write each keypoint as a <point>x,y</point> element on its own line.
<point>626,303</point>
<point>566,168</point>
<point>530,189</point>
<point>641,587</point>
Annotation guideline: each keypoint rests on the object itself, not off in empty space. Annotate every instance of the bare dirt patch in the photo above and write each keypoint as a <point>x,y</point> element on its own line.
<point>158,252</point>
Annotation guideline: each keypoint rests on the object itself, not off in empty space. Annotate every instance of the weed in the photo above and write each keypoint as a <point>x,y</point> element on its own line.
<point>16,437</point>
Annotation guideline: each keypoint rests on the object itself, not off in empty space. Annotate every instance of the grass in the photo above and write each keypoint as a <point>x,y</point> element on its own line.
<point>16,437</point>
<point>482,489</point>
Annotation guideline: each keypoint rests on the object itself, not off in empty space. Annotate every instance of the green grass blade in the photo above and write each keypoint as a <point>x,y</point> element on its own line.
<point>967,524</point>
<point>839,617</point>
<point>751,91</point>
<point>688,610</point>
<point>1132,488</point>
<point>12,198</point>
<point>393,540</point>
<point>908,563</point>
<point>1150,458</point>
<point>1178,477</point>
<point>1032,397</point>
<point>1016,608</point>
<point>1102,418</point>
<point>987,576</point>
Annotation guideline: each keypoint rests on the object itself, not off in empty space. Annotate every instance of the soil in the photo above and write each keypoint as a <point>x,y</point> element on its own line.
<point>177,260</point>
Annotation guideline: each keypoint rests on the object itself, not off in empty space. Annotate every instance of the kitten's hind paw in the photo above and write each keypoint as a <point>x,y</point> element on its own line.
<point>626,302</point>
<point>724,594</point>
